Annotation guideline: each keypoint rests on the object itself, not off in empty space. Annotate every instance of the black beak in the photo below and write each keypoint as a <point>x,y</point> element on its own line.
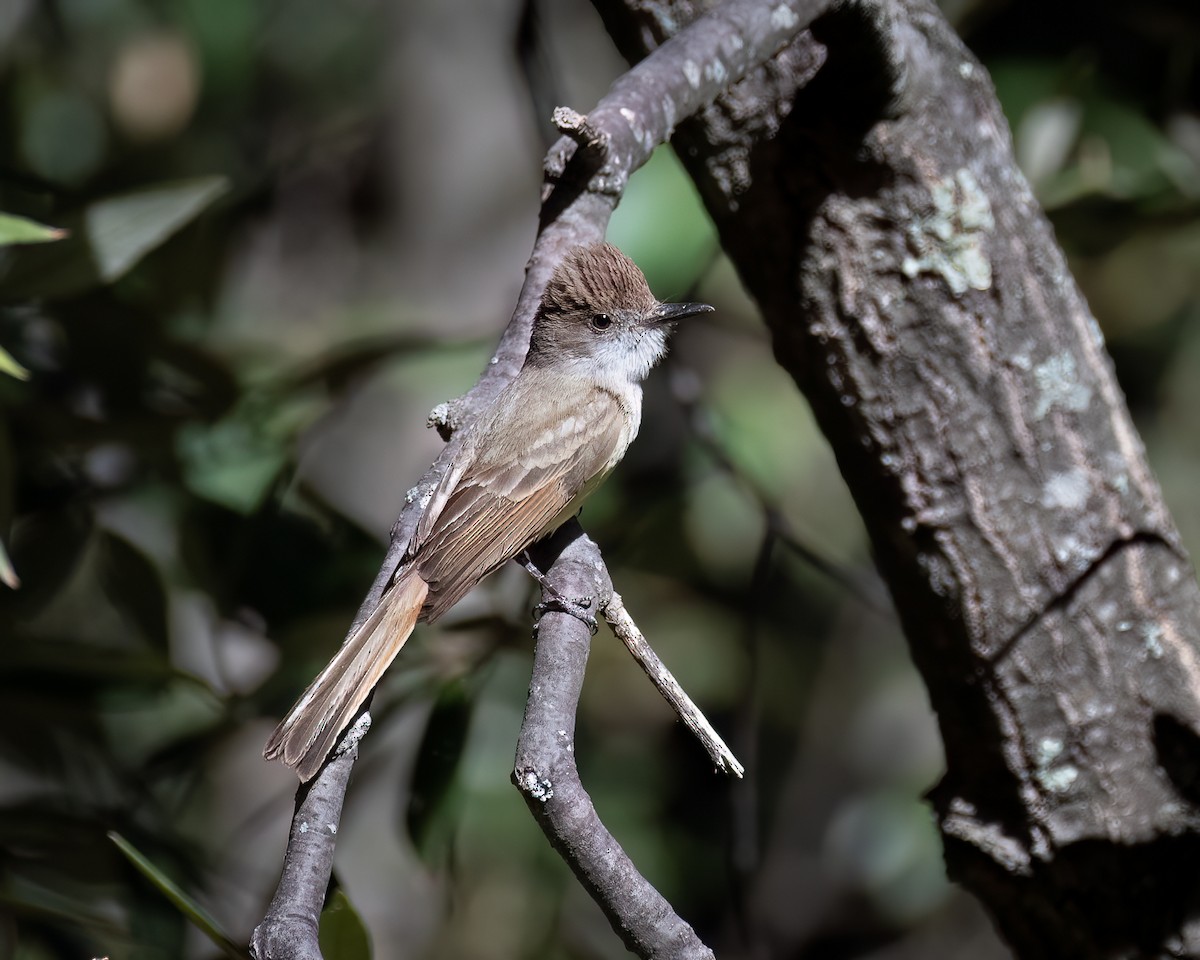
<point>669,312</point>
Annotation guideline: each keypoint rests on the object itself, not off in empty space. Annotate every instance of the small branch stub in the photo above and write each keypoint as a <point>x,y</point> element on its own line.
<point>578,127</point>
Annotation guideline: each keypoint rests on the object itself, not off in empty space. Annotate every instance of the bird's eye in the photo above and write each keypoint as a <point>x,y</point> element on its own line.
<point>601,321</point>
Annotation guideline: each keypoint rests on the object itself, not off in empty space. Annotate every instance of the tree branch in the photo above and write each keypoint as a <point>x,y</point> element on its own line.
<point>545,770</point>
<point>583,183</point>
<point>290,928</point>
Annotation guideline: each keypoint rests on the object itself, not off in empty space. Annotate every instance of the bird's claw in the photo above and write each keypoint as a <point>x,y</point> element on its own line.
<point>576,607</point>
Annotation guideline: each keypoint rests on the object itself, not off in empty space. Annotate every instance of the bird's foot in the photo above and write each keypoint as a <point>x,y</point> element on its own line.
<point>576,607</point>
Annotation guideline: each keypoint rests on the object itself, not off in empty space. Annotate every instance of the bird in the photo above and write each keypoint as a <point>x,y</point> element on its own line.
<point>524,466</point>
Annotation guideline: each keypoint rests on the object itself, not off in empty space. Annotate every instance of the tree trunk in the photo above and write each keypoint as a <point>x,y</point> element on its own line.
<point>864,185</point>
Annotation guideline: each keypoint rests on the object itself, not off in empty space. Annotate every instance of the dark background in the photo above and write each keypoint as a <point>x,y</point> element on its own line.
<point>296,227</point>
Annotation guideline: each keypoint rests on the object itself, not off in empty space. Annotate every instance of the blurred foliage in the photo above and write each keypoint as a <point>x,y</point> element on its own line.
<point>182,902</point>
<point>343,936</point>
<point>273,235</point>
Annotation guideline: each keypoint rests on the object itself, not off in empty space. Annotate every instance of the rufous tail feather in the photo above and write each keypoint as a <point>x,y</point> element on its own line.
<point>312,726</point>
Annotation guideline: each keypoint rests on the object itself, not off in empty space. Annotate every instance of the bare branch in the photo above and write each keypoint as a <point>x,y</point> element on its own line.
<point>545,770</point>
<point>579,128</point>
<point>628,633</point>
<point>289,929</point>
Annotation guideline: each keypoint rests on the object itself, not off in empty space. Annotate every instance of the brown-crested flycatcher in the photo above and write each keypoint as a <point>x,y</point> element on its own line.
<point>525,465</point>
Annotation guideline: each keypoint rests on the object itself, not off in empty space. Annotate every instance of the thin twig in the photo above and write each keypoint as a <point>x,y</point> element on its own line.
<point>627,632</point>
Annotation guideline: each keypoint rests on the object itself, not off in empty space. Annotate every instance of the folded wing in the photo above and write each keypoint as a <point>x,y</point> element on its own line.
<point>519,488</point>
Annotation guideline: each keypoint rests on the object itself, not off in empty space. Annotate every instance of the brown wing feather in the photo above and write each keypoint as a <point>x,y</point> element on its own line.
<point>507,497</point>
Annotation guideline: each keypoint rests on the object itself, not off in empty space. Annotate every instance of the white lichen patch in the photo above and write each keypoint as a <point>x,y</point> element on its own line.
<point>1058,779</point>
<point>950,241</point>
<point>1049,750</point>
<point>784,17</point>
<point>715,72</point>
<point>667,24</point>
<point>423,494</point>
<point>636,127</point>
<point>1152,638</point>
<point>1071,552</point>
<point>691,73</point>
<point>1067,491</point>
<point>1115,474</point>
<point>1053,779</point>
<point>1058,385</point>
<point>668,109</point>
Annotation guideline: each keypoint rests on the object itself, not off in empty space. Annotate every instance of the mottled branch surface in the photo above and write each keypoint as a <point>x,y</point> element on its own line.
<point>915,291</point>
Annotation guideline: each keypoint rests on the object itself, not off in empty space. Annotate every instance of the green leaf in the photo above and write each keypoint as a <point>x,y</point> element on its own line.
<point>123,229</point>
<point>230,463</point>
<point>15,229</point>
<point>182,902</point>
<point>109,237</point>
<point>343,936</point>
<point>236,461</point>
<point>11,367</point>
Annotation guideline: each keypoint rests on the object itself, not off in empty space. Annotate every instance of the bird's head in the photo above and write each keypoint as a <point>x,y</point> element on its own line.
<point>598,313</point>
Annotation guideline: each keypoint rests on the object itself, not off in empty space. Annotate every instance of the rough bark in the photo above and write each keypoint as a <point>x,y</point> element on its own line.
<point>915,292</point>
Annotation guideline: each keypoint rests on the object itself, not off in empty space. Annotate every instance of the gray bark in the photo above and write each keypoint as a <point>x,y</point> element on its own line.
<point>915,292</point>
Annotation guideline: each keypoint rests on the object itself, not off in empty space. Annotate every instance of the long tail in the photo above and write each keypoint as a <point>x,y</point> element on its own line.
<point>312,726</point>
